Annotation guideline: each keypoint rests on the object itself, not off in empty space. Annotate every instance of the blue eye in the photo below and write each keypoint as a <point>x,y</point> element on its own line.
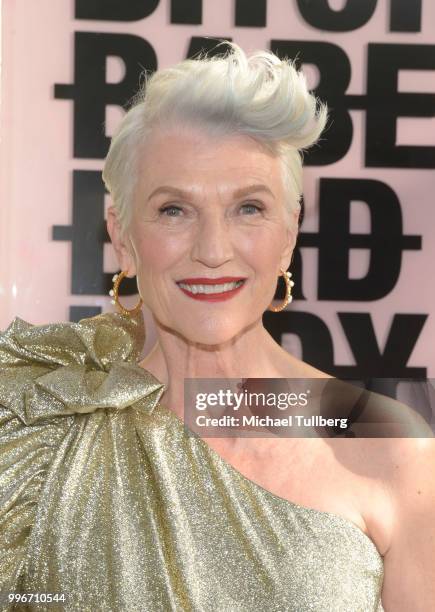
<point>252,208</point>
<point>170,210</point>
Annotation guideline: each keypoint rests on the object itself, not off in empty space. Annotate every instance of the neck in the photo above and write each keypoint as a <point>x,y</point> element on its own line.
<point>252,354</point>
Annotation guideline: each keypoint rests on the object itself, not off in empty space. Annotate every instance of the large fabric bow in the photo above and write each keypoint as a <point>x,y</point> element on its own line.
<point>59,369</point>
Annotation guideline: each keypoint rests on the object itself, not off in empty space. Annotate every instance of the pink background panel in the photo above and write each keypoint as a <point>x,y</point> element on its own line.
<point>37,162</point>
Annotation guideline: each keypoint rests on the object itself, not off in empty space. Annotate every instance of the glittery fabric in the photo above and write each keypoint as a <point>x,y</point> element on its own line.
<point>105,498</point>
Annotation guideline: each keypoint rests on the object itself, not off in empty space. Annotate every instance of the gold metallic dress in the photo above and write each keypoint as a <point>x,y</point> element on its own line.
<point>106,499</point>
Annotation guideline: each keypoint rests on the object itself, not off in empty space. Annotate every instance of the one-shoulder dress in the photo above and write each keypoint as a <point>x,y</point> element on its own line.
<point>106,502</point>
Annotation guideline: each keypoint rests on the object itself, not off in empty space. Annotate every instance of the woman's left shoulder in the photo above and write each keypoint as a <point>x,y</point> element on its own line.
<point>409,560</point>
<point>395,420</point>
<point>412,463</point>
<point>397,487</point>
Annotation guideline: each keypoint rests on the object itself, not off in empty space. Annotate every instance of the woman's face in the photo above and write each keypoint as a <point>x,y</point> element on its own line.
<point>208,210</point>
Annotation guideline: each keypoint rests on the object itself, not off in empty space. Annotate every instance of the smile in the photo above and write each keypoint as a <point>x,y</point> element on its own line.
<point>211,291</point>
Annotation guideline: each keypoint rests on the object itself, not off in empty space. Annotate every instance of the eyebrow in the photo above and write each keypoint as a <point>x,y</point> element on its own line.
<point>239,193</point>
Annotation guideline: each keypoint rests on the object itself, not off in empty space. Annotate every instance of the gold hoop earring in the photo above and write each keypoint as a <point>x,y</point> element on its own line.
<point>288,290</point>
<point>117,278</point>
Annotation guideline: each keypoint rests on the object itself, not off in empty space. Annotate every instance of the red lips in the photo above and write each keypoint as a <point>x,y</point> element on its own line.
<point>212,297</point>
<point>210,281</point>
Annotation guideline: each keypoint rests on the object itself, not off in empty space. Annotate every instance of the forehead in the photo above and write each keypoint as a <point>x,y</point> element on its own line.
<point>187,156</point>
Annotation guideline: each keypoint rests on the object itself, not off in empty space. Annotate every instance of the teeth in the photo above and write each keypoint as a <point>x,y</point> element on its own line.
<point>211,288</point>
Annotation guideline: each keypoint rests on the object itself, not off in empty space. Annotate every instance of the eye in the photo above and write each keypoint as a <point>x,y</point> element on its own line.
<point>251,208</point>
<point>170,210</point>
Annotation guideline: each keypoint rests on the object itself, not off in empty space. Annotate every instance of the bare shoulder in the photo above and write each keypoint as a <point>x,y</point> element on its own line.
<point>381,477</point>
<point>396,419</point>
<point>387,474</point>
<point>411,472</point>
<point>384,469</point>
<point>390,458</point>
<point>394,447</point>
<point>401,467</point>
<point>409,562</point>
<point>371,414</point>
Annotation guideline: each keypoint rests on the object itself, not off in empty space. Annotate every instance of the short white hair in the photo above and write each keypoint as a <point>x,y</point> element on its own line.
<point>260,96</point>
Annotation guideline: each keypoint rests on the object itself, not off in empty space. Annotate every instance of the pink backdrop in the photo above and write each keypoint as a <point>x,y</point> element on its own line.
<point>37,159</point>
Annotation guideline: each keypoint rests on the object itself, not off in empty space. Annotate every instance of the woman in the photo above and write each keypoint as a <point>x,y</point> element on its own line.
<point>106,498</point>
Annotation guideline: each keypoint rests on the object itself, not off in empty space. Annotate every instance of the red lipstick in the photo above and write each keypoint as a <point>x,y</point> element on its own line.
<point>211,297</point>
<point>210,281</point>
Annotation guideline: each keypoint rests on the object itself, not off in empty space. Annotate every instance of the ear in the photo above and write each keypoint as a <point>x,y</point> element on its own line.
<point>122,245</point>
<point>290,242</point>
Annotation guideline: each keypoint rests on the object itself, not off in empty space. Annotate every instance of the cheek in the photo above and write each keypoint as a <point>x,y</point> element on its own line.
<point>159,251</point>
<point>263,247</point>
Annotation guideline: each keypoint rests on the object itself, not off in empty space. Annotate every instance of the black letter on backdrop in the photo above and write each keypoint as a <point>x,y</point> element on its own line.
<point>186,11</point>
<point>404,332</point>
<point>316,340</point>
<point>251,13</point>
<point>318,350</point>
<point>385,241</point>
<point>335,72</point>
<point>90,91</point>
<point>386,104</point>
<point>405,16</point>
<point>87,235</point>
<point>320,15</point>
<point>115,10</point>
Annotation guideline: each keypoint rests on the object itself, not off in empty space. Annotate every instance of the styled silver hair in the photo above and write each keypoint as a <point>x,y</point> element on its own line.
<point>260,96</point>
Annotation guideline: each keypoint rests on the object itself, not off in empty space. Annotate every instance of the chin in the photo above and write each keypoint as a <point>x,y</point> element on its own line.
<point>213,330</point>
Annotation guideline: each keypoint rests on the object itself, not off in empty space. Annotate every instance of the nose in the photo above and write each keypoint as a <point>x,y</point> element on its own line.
<point>213,243</point>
